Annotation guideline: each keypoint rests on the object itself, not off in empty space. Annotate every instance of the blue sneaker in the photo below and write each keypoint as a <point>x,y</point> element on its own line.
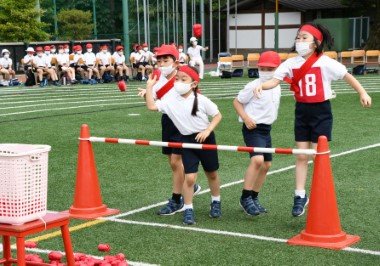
<point>249,206</point>
<point>197,189</point>
<point>215,209</point>
<point>259,206</point>
<point>188,217</point>
<point>299,205</point>
<point>171,208</point>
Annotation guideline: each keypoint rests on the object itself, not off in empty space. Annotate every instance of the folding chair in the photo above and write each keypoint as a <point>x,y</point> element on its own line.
<point>358,57</point>
<point>283,56</point>
<point>372,61</point>
<point>252,60</point>
<point>345,58</point>
<point>331,54</point>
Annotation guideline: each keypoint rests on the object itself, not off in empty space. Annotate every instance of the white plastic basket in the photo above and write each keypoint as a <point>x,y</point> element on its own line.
<point>23,182</point>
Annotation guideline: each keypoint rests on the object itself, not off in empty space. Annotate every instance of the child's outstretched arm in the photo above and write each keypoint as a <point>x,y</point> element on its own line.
<point>270,84</point>
<point>365,99</point>
<point>149,100</point>
<point>249,122</point>
<point>202,136</point>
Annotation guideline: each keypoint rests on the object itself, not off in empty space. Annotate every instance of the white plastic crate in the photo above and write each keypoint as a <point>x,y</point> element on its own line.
<point>23,182</point>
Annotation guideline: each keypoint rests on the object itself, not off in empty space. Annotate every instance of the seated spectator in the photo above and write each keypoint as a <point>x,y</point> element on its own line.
<point>6,66</point>
<point>63,62</point>
<point>140,63</point>
<point>147,62</point>
<point>104,62</point>
<point>121,68</point>
<point>79,61</point>
<point>182,56</point>
<point>90,63</point>
<point>43,67</point>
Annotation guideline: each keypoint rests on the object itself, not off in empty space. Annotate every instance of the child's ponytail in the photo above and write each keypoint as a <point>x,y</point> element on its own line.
<point>195,103</point>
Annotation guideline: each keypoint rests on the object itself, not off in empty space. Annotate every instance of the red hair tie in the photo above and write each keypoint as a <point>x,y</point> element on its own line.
<point>191,72</point>
<point>313,31</point>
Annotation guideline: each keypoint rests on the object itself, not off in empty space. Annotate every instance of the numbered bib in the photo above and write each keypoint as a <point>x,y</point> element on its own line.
<point>311,87</point>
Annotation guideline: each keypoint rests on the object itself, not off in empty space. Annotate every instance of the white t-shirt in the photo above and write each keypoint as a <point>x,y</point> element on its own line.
<point>194,52</point>
<point>27,59</point>
<point>263,110</point>
<point>179,109</point>
<point>40,61</point>
<point>315,86</point>
<point>139,57</point>
<point>159,84</point>
<point>49,58</point>
<point>5,63</point>
<point>182,57</point>
<point>63,59</point>
<point>119,59</point>
<point>89,58</point>
<point>147,56</point>
<point>104,58</point>
<point>77,57</point>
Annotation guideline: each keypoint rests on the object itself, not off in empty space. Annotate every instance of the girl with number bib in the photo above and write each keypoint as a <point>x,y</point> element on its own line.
<point>189,112</point>
<point>310,75</point>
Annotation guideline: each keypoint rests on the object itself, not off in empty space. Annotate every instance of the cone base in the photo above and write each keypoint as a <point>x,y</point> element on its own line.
<point>339,241</point>
<point>91,213</point>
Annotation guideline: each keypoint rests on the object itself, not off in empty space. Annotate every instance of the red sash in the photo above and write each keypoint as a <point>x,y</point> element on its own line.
<point>302,72</point>
<point>164,89</point>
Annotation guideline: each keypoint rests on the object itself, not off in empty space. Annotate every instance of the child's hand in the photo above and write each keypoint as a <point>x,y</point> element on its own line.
<point>365,100</point>
<point>151,81</point>
<point>202,136</point>
<point>257,91</point>
<point>250,123</point>
<point>141,93</point>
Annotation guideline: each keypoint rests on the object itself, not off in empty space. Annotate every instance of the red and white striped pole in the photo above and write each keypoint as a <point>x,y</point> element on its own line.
<point>180,145</point>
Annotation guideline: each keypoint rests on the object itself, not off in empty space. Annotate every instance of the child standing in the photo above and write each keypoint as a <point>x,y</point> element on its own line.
<point>310,75</point>
<point>195,57</point>
<point>189,112</point>
<point>167,61</point>
<point>257,116</point>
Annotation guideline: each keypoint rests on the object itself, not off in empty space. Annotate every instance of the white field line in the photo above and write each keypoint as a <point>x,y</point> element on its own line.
<point>228,233</point>
<point>142,209</point>
<point>46,251</point>
<point>211,96</point>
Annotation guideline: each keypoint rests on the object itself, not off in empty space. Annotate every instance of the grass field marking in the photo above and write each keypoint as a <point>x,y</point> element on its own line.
<point>228,233</point>
<point>46,251</point>
<point>203,191</point>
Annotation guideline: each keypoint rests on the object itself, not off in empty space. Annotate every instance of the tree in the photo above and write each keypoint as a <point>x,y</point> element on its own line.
<point>75,24</point>
<point>18,22</point>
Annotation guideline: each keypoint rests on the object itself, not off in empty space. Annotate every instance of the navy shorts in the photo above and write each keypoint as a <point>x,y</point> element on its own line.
<point>313,120</point>
<point>169,134</point>
<point>192,157</point>
<point>258,137</point>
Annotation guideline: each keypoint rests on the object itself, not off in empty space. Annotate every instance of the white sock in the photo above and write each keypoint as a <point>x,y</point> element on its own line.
<point>187,206</point>
<point>300,192</point>
<point>213,198</point>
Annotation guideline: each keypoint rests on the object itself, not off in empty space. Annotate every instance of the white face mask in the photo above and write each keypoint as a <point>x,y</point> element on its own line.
<point>166,70</point>
<point>40,54</point>
<point>89,50</point>
<point>195,43</point>
<point>146,49</point>
<point>120,53</point>
<point>79,52</point>
<point>104,51</point>
<point>265,75</point>
<point>303,48</point>
<point>60,51</point>
<point>47,52</point>
<point>182,88</point>
<point>53,51</point>
<point>180,50</point>
<point>67,51</point>
<point>6,56</point>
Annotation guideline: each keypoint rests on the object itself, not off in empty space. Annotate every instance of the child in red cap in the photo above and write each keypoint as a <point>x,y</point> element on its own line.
<point>258,116</point>
<point>119,63</point>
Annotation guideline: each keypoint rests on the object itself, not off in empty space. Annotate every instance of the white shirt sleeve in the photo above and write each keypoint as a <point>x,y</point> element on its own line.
<point>246,94</point>
<point>284,70</point>
<point>161,105</point>
<point>210,107</point>
<point>335,69</point>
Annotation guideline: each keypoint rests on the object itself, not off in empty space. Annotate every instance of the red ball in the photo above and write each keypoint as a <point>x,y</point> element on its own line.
<point>104,247</point>
<point>120,256</point>
<point>122,86</point>
<point>156,74</point>
<point>30,244</point>
<point>55,256</point>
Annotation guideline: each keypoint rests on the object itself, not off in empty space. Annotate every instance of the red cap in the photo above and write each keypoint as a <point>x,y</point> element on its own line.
<point>269,59</point>
<point>66,46</point>
<point>39,49</point>
<point>138,47</point>
<point>144,44</point>
<point>189,71</point>
<point>47,48</point>
<point>119,48</point>
<point>89,45</point>
<point>168,50</point>
<point>155,49</point>
<point>78,48</point>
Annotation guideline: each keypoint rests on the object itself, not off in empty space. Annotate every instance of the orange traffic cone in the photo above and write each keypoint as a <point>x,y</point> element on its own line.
<point>322,223</point>
<point>87,198</point>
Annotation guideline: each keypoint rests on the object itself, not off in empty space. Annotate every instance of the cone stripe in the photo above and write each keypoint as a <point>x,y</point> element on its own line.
<point>179,145</point>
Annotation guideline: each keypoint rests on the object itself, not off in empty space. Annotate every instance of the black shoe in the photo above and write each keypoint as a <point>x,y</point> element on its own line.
<point>259,206</point>
<point>299,205</point>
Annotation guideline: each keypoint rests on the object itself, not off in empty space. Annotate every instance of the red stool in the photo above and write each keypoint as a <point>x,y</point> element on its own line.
<point>52,220</point>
